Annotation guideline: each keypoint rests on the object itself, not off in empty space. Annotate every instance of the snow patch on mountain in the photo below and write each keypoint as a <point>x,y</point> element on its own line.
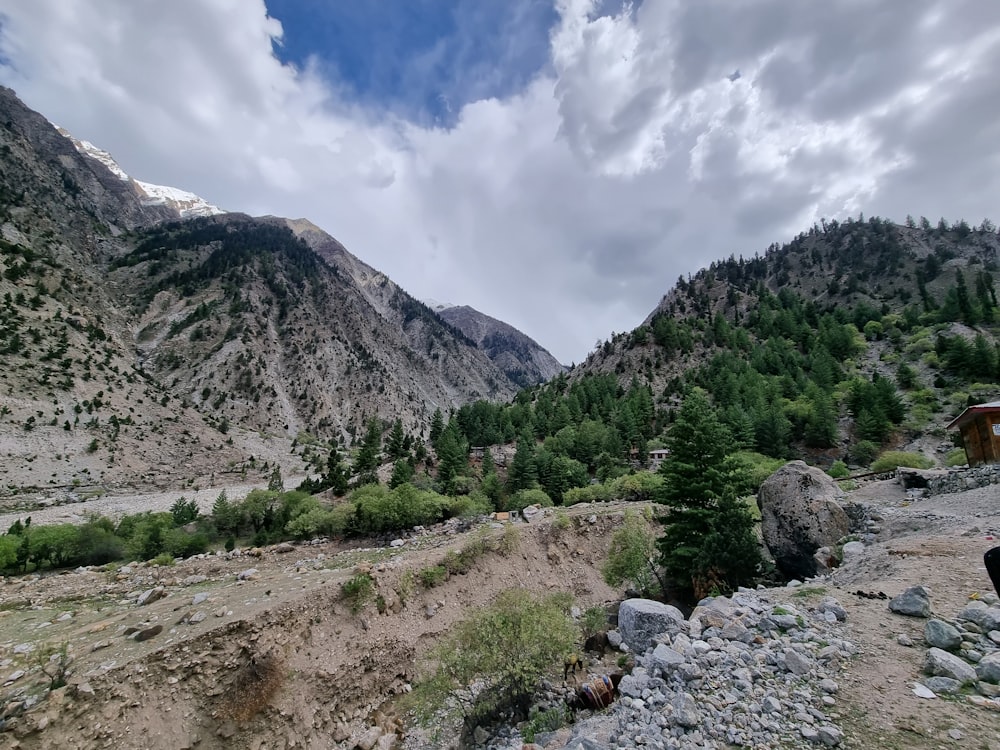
<point>436,306</point>
<point>187,204</point>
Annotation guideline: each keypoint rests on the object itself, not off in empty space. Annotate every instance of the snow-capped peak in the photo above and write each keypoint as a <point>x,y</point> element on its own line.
<point>185,203</point>
<point>436,306</point>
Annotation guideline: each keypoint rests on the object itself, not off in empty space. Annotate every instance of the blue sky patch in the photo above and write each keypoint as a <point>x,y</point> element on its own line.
<point>423,59</point>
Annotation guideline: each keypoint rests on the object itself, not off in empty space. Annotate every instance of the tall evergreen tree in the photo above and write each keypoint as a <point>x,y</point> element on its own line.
<point>708,542</point>
<point>523,474</point>
<point>368,458</point>
<point>395,442</point>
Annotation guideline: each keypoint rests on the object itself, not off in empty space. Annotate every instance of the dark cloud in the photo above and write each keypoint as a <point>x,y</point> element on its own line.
<point>566,204</point>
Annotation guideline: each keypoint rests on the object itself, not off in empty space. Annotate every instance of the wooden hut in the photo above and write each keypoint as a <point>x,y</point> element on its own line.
<point>980,426</point>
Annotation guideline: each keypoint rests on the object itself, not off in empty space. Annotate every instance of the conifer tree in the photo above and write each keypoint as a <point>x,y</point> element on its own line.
<point>708,542</point>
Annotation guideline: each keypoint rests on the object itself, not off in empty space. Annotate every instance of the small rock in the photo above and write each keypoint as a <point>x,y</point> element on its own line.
<point>914,602</point>
<point>943,685</point>
<point>250,574</point>
<point>284,548</point>
<point>145,635</point>
<point>151,595</point>
<point>921,691</point>
<point>201,596</point>
<point>397,542</point>
<point>988,668</point>
<point>796,663</point>
<point>904,640</point>
<point>14,676</point>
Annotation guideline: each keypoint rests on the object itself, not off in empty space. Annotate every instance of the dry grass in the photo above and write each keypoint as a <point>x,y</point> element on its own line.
<point>253,687</point>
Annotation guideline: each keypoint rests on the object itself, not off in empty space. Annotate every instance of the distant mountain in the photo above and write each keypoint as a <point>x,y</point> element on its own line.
<point>142,340</point>
<point>523,360</point>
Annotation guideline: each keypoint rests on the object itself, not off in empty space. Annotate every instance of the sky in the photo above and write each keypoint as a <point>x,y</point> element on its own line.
<point>556,164</point>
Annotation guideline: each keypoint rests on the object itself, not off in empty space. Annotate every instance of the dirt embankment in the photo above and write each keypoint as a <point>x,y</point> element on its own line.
<point>276,660</point>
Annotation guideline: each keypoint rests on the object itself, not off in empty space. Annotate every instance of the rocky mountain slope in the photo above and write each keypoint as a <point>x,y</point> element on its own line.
<point>789,343</point>
<point>520,357</point>
<point>141,346</point>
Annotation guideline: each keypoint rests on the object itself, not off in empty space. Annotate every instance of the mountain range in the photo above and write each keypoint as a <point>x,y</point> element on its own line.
<point>143,328</point>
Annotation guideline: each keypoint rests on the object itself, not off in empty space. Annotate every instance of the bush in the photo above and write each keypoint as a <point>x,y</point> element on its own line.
<point>379,510</point>
<point>358,591</point>
<point>956,457</point>
<point>313,523</point>
<point>838,470</point>
<point>432,576</point>
<point>592,493</point>
<point>504,648</point>
<point>864,452</point>
<point>757,467</point>
<point>631,556</point>
<point>892,460</point>
<point>639,487</point>
<point>470,506</point>
<point>523,498</point>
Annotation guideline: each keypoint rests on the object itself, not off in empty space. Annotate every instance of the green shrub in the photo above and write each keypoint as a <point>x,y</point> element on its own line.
<point>593,620</point>
<point>509,541</point>
<point>523,498</point>
<point>313,523</point>
<point>378,509</point>
<point>358,591</point>
<point>838,470</point>
<point>642,486</point>
<point>432,576</point>
<point>757,467</point>
<point>956,457</point>
<point>505,648</point>
<point>864,452</point>
<point>892,460</point>
<point>470,506</point>
<point>631,556</point>
<point>592,493</point>
<point>164,558</point>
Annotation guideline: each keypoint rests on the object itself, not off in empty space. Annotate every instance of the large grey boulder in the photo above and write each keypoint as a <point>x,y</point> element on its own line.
<point>800,513</point>
<point>641,620</point>
<point>941,634</point>
<point>938,662</point>
<point>988,668</point>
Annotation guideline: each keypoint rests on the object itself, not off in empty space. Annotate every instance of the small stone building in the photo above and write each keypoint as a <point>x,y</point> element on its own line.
<point>980,427</point>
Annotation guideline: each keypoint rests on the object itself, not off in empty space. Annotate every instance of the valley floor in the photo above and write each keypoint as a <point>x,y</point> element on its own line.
<point>221,622</point>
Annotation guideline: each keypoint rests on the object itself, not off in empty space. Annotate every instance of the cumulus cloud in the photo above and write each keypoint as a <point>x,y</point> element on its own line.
<point>568,207</point>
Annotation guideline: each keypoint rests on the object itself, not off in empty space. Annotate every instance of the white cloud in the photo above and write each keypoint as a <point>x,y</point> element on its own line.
<point>570,207</point>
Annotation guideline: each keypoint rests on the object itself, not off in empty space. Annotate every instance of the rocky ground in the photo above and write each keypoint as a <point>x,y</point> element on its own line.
<point>164,657</point>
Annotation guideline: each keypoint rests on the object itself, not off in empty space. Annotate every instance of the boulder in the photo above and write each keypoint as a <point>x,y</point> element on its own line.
<point>800,514</point>
<point>988,668</point>
<point>941,663</point>
<point>641,620</point>
<point>914,602</point>
<point>941,634</point>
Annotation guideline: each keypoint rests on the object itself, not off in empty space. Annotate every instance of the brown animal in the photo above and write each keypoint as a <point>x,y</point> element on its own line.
<point>573,664</point>
<point>597,643</point>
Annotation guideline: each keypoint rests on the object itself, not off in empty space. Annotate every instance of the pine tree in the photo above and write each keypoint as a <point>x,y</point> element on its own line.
<point>708,542</point>
<point>395,442</point>
<point>367,460</point>
<point>437,425</point>
<point>453,456</point>
<point>337,476</point>
<point>523,474</point>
